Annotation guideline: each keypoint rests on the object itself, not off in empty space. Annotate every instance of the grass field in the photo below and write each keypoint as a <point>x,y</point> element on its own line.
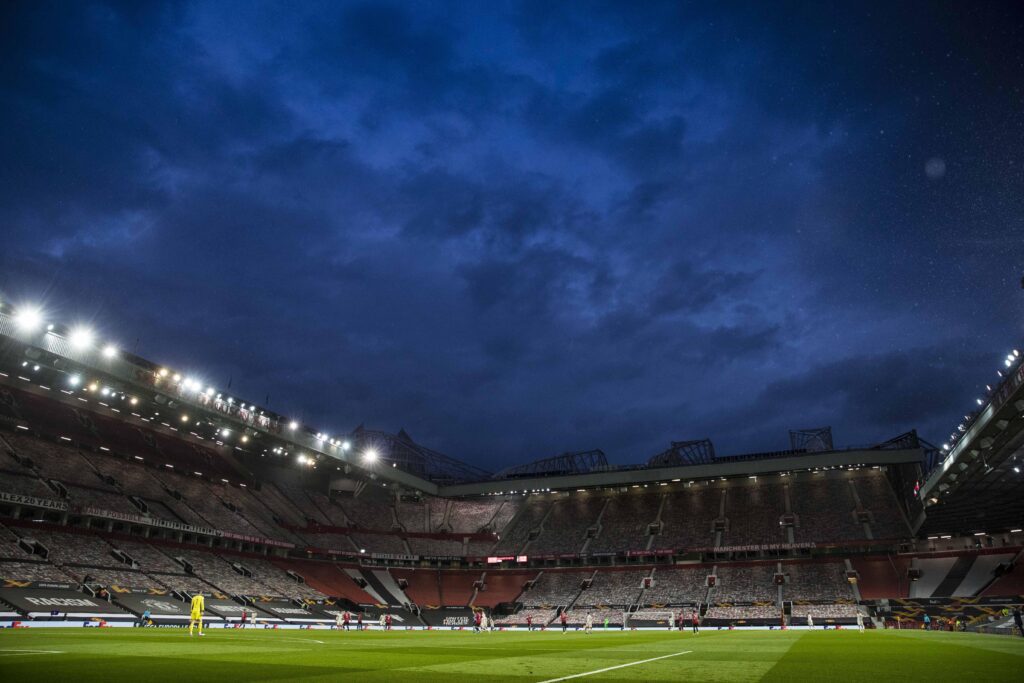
<point>258,655</point>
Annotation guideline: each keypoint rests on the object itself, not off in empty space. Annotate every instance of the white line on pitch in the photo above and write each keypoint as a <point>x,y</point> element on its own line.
<point>619,666</point>
<point>14,653</point>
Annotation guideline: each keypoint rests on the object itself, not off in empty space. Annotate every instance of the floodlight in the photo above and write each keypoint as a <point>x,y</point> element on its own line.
<point>345,445</point>
<point>73,380</point>
<point>109,351</point>
<point>80,338</point>
<point>293,425</point>
<point>28,319</point>
<point>370,455</point>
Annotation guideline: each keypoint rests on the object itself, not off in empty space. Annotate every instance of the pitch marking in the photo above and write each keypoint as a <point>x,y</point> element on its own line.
<point>17,653</point>
<point>619,666</point>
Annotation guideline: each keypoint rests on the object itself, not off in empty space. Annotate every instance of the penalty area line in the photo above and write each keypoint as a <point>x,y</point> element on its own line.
<point>619,666</point>
<point>17,653</point>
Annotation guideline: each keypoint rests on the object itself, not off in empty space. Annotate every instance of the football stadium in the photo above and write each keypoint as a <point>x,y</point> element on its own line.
<point>514,341</point>
<point>129,489</point>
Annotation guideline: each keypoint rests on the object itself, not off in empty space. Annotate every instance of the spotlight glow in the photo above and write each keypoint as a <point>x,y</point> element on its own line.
<point>109,351</point>
<point>293,425</point>
<point>28,319</point>
<point>80,338</point>
<point>370,455</point>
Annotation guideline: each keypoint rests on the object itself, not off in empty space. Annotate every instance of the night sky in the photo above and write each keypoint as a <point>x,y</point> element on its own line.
<point>521,228</point>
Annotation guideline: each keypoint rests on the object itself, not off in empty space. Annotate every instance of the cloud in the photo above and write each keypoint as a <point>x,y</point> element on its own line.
<point>521,229</point>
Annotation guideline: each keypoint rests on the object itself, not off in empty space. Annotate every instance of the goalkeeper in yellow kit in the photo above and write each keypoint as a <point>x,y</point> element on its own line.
<point>198,605</point>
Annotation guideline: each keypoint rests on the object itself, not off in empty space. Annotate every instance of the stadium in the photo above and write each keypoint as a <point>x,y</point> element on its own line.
<point>515,341</point>
<point>128,487</point>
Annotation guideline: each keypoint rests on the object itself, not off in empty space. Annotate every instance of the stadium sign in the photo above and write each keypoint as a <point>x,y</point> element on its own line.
<point>18,499</point>
<point>150,521</point>
<point>506,558</point>
<point>755,547</point>
<point>178,526</point>
<point>393,556</point>
<point>45,602</point>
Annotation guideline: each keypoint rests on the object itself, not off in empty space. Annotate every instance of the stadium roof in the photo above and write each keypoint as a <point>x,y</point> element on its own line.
<point>978,487</point>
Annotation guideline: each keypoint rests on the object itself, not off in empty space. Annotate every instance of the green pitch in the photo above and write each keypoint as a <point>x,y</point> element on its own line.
<point>258,655</point>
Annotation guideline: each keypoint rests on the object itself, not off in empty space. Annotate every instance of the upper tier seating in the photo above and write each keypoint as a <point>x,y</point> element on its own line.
<point>515,535</point>
<point>687,517</point>
<point>825,508</point>
<point>625,522</point>
<point>566,527</point>
<point>754,512</point>
<point>367,512</point>
<point>877,495</point>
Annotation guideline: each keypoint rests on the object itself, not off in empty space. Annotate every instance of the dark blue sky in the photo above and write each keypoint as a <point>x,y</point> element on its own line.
<point>519,228</point>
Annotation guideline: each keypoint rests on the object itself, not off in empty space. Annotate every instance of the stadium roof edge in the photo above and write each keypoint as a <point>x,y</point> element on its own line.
<point>733,468</point>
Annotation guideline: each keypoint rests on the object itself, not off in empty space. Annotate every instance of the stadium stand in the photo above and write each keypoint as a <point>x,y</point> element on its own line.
<point>528,520</point>
<point>422,587</point>
<point>502,586</point>
<point>414,515</point>
<point>218,572</point>
<point>687,517</point>
<point>555,588</point>
<point>327,578</point>
<point>742,613</point>
<point>881,577</point>
<point>540,617</point>
<point>744,583</point>
<point>565,529</point>
<point>620,588</point>
<point>380,543</point>
<point>753,513</point>
<point>625,522</point>
<point>147,557</point>
<point>677,586</point>
<point>1010,582</point>
<point>367,512</point>
<point>824,506</point>
<point>825,581</point>
<point>878,497</point>
<point>822,614</point>
<point>577,616</point>
<point>456,588</point>
<point>32,571</point>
